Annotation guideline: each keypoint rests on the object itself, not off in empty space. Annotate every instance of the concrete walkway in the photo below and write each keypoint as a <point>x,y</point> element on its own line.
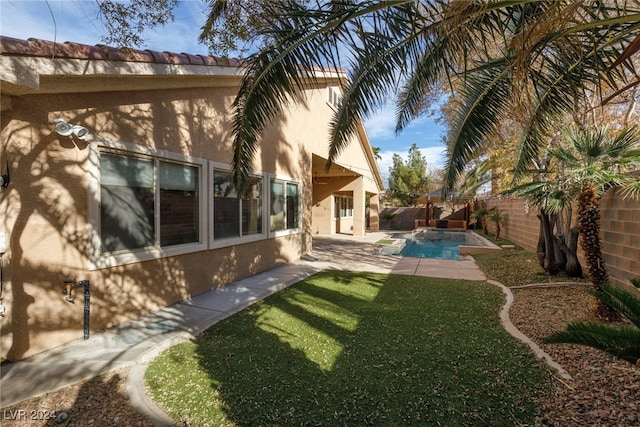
<point>135,343</point>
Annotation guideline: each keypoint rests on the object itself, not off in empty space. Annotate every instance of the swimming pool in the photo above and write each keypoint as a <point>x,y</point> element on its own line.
<point>438,244</point>
<point>424,248</point>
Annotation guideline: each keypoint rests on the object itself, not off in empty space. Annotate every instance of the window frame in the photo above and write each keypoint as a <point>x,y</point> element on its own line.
<point>230,241</point>
<point>284,180</point>
<point>334,96</point>
<point>97,258</point>
<point>343,206</point>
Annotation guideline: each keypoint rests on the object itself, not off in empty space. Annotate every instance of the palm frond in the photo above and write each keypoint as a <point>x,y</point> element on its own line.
<point>487,94</point>
<point>622,301</point>
<point>381,51</point>
<point>630,187</point>
<point>303,39</point>
<point>622,342</point>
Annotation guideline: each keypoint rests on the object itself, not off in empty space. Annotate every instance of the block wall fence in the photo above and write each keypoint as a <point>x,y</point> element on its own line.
<point>619,232</point>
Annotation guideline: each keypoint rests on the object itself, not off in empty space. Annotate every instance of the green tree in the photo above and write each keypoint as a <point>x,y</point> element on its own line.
<point>408,179</point>
<point>499,218</point>
<point>480,215</point>
<point>376,153</point>
<point>553,196</point>
<point>230,25</point>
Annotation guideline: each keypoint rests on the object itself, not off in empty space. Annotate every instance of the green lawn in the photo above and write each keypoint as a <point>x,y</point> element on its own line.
<point>346,348</point>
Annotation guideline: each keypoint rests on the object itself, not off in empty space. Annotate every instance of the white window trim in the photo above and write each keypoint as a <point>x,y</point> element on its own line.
<point>289,231</point>
<point>98,260</point>
<point>230,241</point>
<point>340,207</point>
<point>334,95</point>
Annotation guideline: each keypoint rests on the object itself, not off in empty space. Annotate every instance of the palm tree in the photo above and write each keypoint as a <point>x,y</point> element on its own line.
<point>546,52</point>
<point>596,160</point>
<point>498,217</point>
<point>622,341</point>
<point>480,215</point>
<point>376,153</point>
<point>553,192</point>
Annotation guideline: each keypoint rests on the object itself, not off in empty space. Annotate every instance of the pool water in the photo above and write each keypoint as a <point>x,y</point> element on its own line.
<point>438,249</point>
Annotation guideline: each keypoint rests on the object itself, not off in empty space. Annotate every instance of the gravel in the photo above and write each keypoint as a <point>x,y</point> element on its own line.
<point>604,391</point>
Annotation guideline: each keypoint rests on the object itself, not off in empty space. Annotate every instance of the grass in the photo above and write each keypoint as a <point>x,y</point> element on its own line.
<point>345,348</point>
<point>511,267</point>
<point>515,267</point>
<point>492,238</point>
<point>385,241</point>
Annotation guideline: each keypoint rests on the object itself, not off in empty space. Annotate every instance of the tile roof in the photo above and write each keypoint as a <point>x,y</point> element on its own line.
<point>68,50</point>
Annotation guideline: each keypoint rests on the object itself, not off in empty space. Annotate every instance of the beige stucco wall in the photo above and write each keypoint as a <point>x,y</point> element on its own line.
<point>45,207</point>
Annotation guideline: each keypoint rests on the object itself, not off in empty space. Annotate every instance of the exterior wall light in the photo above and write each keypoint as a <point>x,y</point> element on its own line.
<point>65,129</point>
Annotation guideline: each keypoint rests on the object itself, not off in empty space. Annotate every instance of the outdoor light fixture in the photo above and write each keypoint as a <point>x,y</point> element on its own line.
<point>65,129</point>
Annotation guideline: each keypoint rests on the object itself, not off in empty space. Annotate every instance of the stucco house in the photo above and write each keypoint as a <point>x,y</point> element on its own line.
<point>115,170</point>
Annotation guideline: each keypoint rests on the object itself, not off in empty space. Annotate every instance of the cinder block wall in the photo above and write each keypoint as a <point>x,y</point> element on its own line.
<point>522,225</point>
<point>620,227</point>
<point>619,231</point>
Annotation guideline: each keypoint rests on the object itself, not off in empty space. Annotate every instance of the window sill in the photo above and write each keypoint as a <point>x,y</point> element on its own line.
<point>115,259</point>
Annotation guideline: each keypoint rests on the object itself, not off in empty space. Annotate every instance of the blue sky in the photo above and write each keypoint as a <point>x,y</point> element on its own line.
<point>77,21</point>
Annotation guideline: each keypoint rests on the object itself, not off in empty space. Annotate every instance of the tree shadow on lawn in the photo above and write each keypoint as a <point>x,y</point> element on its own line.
<point>371,349</point>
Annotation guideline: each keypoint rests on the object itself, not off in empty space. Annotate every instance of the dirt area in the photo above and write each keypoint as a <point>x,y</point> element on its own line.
<point>604,391</point>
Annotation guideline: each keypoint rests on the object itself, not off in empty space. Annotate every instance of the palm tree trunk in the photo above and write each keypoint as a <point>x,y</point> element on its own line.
<point>573,267</point>
<point>540,248</point>
<point>550,265</point>
<point>589,228</point>
<point>558,241</point>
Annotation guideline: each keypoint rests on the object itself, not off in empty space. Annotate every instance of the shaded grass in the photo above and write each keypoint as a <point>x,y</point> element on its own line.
<point>511,267</point>
<point>516,267</point>
<point>346,348</point>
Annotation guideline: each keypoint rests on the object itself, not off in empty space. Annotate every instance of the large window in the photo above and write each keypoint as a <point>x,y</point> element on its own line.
<point>285,205</point>
<point>147,204</point>
<point>133,189</point>
<point>236,215</point>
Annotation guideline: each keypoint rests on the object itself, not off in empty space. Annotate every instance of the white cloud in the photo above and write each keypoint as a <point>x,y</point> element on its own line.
<point>381,125</point>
